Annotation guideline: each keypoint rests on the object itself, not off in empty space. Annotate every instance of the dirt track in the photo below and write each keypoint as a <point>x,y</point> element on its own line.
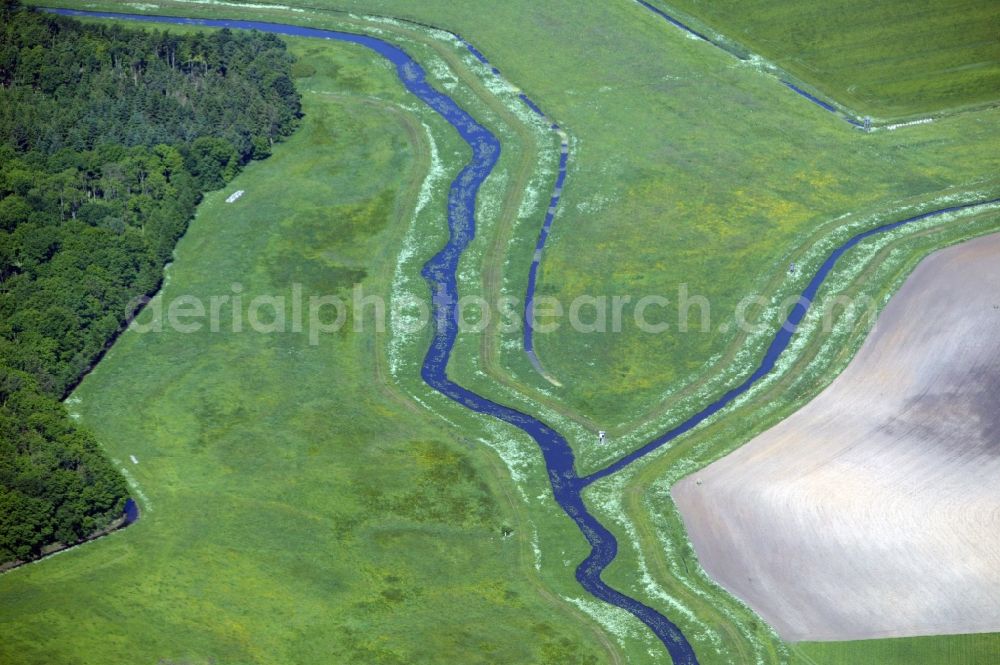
<point>875,510</point>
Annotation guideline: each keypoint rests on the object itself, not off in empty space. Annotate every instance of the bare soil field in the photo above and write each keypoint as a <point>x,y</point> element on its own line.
<point>875,510</point>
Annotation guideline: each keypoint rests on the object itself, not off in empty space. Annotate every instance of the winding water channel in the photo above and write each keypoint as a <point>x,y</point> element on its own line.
<point>440,273</point>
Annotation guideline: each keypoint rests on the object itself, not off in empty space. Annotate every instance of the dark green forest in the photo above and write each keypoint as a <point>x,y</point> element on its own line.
<point>108,138</point>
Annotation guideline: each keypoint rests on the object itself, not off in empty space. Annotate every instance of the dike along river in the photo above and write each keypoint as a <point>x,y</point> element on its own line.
<point>440,273</point>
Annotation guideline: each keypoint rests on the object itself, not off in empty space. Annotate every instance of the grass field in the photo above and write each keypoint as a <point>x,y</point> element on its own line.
<point>946,649</point>
<point>639,506</point>
<point>687,168</point>
<point>297,509</point>
<point>722,178</point>
<point>886,59</point>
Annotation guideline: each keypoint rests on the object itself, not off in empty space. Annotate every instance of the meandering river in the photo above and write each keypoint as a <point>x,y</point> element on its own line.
<point>440,273</point>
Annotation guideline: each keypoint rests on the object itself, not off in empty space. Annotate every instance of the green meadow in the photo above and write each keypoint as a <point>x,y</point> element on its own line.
<point>637,506</point>
<point>297,507</point>
<point>688,168</point>
<point>886,59</point>
<point>317,503</point>
<point>944,649</point>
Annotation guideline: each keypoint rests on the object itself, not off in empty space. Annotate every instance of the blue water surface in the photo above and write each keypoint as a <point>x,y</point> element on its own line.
<point>440,273</point>
<point>528,320</point>
<point>131,512</point>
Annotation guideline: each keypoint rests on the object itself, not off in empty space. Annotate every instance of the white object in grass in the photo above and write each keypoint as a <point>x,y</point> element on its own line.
<point>235,195</point>
<point>134,460</point>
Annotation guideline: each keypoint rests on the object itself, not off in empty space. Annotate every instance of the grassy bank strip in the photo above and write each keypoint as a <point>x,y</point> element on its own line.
<point>961,649</point>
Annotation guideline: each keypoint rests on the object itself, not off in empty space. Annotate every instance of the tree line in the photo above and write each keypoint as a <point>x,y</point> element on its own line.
<point>108,138</point>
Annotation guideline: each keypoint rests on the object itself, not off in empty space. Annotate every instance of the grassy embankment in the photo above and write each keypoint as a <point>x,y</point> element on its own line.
<point>297,506</point>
